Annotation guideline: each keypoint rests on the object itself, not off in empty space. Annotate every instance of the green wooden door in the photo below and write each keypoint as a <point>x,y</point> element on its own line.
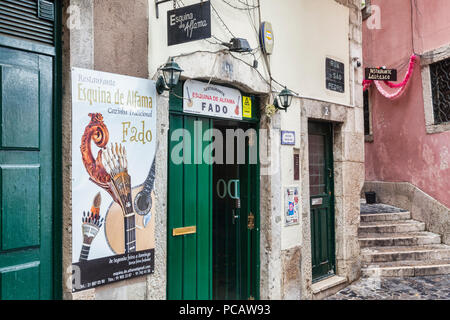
<point>189,205</point>
<point>221,259</point>
<point>235,231</point>
<point>26,140</point>
<point>321,184</point>
<point>227,221</point>
<point>249,176</point>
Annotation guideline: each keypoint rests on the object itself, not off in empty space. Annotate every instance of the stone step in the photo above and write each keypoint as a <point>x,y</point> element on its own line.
<point>391,226</point>
<point>407,268</point>
<point>398,239</point>
<point>368,217</point>
<point>400,253</point>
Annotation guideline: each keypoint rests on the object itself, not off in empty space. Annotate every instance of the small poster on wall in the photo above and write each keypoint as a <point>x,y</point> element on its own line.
<point>113,176</point>
<point>291,207</point>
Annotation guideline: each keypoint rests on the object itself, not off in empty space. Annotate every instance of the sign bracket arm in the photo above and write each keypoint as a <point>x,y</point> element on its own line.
<point>157,3</point>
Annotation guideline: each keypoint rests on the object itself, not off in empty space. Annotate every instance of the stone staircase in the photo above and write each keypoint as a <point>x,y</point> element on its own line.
<point>394,245</point>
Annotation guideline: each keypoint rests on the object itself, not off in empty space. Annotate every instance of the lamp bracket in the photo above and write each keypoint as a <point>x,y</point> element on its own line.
<point>276,105</point>
<point>160,85</point>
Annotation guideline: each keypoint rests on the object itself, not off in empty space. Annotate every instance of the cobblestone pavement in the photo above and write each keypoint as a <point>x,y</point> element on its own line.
<point>414,288</point>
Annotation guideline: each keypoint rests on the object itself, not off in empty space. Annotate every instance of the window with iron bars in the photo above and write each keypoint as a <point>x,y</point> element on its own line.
<point>440,88</point>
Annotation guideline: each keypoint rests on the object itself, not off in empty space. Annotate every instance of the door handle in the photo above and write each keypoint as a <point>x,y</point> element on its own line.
<point>234,216</point>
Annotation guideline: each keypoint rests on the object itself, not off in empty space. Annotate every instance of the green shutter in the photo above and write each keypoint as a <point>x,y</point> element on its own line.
<point>28,20</point>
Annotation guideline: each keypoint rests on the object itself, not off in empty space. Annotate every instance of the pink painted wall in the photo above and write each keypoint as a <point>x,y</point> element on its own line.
<point>402,150</point>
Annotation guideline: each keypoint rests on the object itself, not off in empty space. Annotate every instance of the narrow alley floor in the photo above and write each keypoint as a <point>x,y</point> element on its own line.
<point>411,288</point>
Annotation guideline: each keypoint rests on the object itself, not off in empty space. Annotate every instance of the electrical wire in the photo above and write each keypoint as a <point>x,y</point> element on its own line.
<point>284,86</point>
<point>221,20</point>
<point>259,73</point>
<point>246,4</point>
<point>252,22</point>
<point>218,17</point>
<point>248,8</point>
<point>193,52</point>
<point>252,52</point>
<point>220,41</point>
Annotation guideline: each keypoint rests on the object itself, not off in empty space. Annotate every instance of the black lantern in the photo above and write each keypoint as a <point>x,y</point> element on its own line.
<point>284,99</point>
<point>171,75</point>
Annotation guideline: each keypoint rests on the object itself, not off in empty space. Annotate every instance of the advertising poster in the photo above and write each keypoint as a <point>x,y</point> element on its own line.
<point>212,100</point>
<point>113,174</point>
<point>291,198</point>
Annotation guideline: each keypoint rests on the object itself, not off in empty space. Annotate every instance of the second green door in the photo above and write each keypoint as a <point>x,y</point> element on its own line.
<point>213,213</point>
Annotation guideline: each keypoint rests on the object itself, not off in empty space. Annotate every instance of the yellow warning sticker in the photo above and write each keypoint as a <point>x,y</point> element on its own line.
<point>246,107</point>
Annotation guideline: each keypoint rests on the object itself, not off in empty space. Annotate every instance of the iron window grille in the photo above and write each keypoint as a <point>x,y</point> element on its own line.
<point>440,88</point>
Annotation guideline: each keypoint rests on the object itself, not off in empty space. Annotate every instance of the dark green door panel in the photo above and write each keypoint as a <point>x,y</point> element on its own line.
<point>23,278</point>
<point>20,219</point>
<point>189,204</point>
<point>234,243</point>
<point>321,183</point>
<point>249,192</point>
<point>22,108</point>
<point>228,267</point>
<point>26,177</point>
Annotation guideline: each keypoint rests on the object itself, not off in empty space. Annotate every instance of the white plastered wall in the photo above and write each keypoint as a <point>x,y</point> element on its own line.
<point>306,32</point>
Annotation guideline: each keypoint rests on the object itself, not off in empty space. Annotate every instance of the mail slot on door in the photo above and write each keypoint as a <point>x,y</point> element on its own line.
<point>317,201</point>
<point>184,231</point>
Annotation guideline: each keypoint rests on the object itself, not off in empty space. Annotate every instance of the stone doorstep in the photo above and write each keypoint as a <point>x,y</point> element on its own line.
<point>390,223</point>
<point>408,269</point>
<point>399,239</point>
<point>379,208</point>
<point>391,254</point>
<point>328,286</point>
<point>391,226</point>
<point>367,217</point>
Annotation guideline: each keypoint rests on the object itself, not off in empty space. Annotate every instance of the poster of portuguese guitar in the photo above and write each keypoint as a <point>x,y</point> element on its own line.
<point>113,177</point>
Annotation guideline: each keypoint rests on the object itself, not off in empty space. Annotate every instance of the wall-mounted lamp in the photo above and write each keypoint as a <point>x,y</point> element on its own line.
<point>284,99</point>
<point>171,75</point>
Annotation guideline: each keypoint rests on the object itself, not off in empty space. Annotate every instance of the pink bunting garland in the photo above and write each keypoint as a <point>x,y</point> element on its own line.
<point>401,86</point>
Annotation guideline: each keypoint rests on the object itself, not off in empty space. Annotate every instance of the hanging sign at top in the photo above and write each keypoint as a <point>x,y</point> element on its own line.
<point>381,74</point>
<point>189,23</point>
<point>212,100</point>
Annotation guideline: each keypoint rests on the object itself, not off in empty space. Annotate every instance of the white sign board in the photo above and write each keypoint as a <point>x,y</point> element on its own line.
<point>113,170</point>
<point>212,100</point>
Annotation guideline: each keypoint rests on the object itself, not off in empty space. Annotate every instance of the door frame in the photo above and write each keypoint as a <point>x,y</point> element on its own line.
<point>57,159</point>
<point>254,277</point>
<point>329,162</point>
<point>57,183</point>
